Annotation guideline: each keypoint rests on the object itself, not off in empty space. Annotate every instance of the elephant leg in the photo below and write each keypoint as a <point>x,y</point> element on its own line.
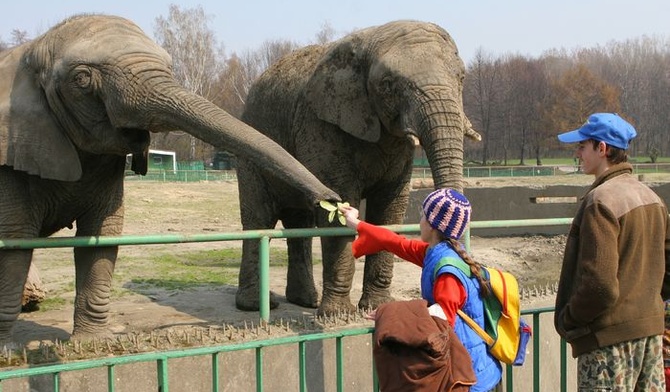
<point>378,273</point>
<point>93,268</point>
<point>300,287</point>
<point>14,266</point>
<point>338,275</point>
<point>377,277</point>
<point>256,212</point>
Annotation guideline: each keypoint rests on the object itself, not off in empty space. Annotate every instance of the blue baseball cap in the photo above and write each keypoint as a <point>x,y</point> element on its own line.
<point>603,127</point>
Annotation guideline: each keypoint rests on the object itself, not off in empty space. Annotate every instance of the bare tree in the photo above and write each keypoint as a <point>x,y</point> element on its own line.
<point>272,50</point>
<point>326,34</point>
<point>481,95</point>
<point>19,37</point>
<point>573,97</point>
<point>197,60</point>
<point>639,69</point>
<point>525,88</point>
<point>240,72</point>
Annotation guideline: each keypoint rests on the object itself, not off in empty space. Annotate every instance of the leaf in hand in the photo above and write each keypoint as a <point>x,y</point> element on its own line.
<point>328,206</point>
<point>334,210</point>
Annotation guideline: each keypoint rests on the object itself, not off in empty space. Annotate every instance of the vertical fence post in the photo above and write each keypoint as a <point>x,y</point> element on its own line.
<point>264,277</point>
<point>302,364</point>
<point>340,363</point>
<point>163,383</point>
<point>259,369</point>
<point>215,372</point>
<point>536,352</point>
<point>111,382</point>
<point>375,378</point>
<point>564,366</point>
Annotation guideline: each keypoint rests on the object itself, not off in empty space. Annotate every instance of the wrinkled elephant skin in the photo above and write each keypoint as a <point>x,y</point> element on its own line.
<point>73,103</point>
<point>346,111</point>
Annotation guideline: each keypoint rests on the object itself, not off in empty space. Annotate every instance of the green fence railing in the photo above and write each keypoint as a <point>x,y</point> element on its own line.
<point>161,358</point>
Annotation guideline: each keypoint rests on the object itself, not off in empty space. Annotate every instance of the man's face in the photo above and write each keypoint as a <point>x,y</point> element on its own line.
<point>591,159</point>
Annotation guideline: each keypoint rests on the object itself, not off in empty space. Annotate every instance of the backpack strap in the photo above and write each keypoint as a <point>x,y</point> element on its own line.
<point>482,334</point>
<point>454,262</point>
<point>465,268</point>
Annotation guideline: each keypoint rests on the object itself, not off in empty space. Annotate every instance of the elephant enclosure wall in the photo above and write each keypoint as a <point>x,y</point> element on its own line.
<point>505,201</point>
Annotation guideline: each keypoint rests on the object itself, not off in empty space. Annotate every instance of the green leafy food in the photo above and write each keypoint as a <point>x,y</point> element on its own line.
<point>333,211</point>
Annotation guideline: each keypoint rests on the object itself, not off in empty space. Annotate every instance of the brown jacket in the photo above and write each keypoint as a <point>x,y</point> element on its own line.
<point>614,274</point>
<point>417,352</point>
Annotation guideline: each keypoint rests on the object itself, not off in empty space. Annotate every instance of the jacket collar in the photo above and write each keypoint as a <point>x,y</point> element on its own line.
<point>613,171</point>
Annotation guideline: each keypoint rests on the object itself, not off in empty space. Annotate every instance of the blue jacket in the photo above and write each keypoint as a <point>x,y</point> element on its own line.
<point>487,369</point>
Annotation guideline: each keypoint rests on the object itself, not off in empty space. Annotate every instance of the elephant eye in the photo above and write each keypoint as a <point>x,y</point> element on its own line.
<point>385,86</point>
<point>83,78</point>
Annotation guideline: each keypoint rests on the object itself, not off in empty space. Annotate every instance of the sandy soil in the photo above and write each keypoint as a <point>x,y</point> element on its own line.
<point>207,207</point>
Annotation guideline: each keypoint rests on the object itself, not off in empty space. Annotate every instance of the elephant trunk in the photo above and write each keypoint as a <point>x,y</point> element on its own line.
<point>441,132</point>
<point>183,110</point>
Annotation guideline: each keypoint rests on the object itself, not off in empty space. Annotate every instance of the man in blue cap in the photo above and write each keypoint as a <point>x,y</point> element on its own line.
<point>609,304</point>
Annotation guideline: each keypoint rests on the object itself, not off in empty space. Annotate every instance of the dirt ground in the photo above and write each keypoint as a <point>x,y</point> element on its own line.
<point>210,207</point>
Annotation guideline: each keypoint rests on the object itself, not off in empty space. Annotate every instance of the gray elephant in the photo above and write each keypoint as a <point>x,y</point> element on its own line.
<point>346,111</point>
<point>73,103</point>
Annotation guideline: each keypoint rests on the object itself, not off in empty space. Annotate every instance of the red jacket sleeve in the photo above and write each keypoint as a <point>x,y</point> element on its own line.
<point>372,239</point>
<point>447,291</point>
<point>450,294</point>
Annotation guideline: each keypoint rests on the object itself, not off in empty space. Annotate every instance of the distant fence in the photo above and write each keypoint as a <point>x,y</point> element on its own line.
<point>184,175</point>
<point>418,172</point>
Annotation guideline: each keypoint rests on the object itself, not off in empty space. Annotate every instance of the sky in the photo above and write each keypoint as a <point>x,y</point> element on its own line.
<point>497,27</point>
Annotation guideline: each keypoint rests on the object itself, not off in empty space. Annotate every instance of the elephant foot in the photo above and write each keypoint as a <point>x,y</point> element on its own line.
<point>89,332</point>
<point>5,332</point>
<point>247,300</point>
<point>335,306</point>
<point>307,298</point>
<point>372,301</point>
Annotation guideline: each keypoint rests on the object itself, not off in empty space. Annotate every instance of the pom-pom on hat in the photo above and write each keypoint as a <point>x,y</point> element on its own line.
<point>448,212</point>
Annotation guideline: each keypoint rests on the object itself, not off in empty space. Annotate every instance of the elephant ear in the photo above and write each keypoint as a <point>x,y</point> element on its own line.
<point>31,140</point>
<point>337,92</point>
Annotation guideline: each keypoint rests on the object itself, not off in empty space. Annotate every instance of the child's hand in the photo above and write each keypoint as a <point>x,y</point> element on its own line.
<point>350,215</point>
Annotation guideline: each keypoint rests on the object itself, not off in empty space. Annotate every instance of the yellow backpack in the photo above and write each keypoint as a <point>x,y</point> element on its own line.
<point>505,332</point>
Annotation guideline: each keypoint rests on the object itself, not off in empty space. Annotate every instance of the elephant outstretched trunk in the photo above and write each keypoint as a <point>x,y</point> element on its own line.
<point>206,121</point>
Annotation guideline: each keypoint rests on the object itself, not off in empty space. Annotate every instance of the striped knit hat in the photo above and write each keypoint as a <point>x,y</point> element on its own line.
<point>448,212</point>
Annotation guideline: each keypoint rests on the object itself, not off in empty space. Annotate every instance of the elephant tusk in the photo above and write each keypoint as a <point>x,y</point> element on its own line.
<point>472,134</point>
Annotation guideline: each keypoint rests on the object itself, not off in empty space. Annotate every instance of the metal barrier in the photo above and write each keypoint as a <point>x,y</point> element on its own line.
<point>264,236</point>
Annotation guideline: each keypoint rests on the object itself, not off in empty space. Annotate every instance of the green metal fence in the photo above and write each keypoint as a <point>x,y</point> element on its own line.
<point>161,358</point>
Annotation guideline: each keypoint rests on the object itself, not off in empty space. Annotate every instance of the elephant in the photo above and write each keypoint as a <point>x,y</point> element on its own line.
<point>350,111</point>
<point>73,103</point>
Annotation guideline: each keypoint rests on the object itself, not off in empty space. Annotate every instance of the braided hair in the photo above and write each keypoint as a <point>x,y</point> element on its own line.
<point>475,268</point>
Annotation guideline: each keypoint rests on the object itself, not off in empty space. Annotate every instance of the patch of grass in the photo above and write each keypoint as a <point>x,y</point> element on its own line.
<point>53,302</point>
<point>185,270</point>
